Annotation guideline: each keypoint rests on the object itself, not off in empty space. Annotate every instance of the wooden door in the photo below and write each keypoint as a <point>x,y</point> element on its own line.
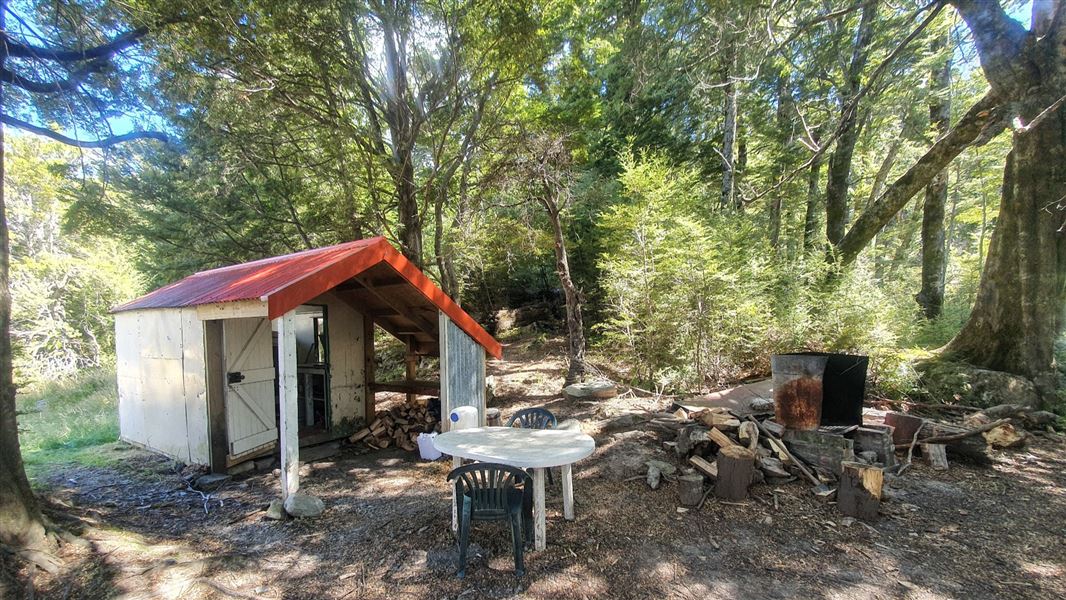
<point>250,395</point>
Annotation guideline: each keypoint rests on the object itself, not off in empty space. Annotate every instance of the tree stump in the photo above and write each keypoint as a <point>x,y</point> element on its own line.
<point>936,456</point>
<point>736,468</point>
<point>690,489</point>
<point>859,494</point>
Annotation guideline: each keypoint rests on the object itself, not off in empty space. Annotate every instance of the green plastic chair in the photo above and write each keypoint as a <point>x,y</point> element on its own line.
<point>493,492</point>
<point>535,418</point>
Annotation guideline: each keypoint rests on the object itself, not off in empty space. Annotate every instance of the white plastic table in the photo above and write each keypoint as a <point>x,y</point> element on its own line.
<point>536,449</point>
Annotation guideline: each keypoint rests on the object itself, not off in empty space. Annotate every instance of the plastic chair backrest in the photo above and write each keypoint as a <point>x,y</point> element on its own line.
<point>490,486</point>
<point>533,418</point>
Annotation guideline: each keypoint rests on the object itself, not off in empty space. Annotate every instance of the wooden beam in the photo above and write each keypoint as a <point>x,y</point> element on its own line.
<point>369,400</point>
<point>290,425</point>
<point>404,309</point>
<point>422,388</point>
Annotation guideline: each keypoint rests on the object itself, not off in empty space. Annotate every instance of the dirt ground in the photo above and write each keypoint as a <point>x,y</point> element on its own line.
<point>993,532</point>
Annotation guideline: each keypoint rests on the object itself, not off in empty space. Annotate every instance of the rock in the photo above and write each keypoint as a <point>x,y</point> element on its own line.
<point>654,477</point>
<point>959,383</point>
<point>210,482</point>
<point>664,467</point>
<point>847,521</point>
<point>623,422</point>
<point>1005,436</point>
<point>276,510</point>
<point>304,505</point>
<point>591,389</point>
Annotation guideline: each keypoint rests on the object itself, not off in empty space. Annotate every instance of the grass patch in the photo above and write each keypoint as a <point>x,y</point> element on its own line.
<point>68,421</point>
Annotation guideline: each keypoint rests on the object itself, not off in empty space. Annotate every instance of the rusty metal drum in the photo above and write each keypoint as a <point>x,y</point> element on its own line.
<point>797,380</point>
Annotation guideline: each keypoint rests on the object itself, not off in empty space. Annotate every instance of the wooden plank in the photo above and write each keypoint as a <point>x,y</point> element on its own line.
<point>238,309</point>
<point>216,395</point>
<point>424,388</point>
<point>723,440</point>
<point>370,399</point>
<point>703,466</point>
<point>290,426</point>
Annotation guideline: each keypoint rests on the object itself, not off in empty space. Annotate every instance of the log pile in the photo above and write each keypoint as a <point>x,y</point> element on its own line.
<point>398,427</point>
<point>846,464</point>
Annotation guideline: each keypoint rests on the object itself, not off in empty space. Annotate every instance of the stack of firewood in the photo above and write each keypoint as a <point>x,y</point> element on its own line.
<point>398,426</point>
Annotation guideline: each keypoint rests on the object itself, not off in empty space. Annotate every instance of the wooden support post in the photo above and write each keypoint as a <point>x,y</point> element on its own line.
<point>568,492</point>
<point>690,489</point>
<point>369,399</point>
<point>290,425</point>
<point>410,367</point>
<point>859,494</point>
<point>736,469</point>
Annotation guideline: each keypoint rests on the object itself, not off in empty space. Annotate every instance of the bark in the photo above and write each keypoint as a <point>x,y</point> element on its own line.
<point>934,253</point>
<point>810,216</point>
<point>839,170</point>
<point>403,131</point>
<point>729,128</point>
<point>21,523</point>
<point>1017,315</point>
<point>785,107</point>
<point>574,324</point>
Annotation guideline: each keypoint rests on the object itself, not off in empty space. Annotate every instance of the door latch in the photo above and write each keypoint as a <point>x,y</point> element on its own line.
<point>235,377</point>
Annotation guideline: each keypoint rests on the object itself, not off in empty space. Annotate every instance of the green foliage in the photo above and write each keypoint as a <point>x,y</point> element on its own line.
<point>63,282</point>
<point>66,421</point>
<point>695,298</point>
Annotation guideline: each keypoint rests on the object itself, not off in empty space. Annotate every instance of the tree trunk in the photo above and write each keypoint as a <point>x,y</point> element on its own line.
<point>785,103</point>
<point>1017,315</point>
<point>729,128</point>
<point>403,131</point>
<point>934,253</point>
<point>839,171</point>
<point>810,216</point>
<point>21,523</point>
<point>574,325</point>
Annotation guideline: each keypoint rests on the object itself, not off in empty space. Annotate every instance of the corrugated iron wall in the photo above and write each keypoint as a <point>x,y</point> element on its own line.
<point>462,370</point>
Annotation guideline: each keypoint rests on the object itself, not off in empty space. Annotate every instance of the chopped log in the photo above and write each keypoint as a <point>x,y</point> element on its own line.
<point>904,427</point>
<point>780,447</point>
<point>859,494</point>
<point>690,489</point>
<point>358,435</point>
<point>719,420</point>
<point>749,432</point>
<point>710,469</point>
<point>936,456</point>
<point>681,415</point>
<point>723,440</point>
<point>736,468</point>
<point>773,468</point>
<point>1005,436</point>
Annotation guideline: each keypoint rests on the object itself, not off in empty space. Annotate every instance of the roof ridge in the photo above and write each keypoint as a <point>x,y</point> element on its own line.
<point>273,259</point>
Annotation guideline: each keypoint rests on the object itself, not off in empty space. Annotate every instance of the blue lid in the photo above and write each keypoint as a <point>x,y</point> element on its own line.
<point>455,417</point>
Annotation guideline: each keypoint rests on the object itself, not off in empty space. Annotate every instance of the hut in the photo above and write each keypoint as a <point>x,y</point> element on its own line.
<point>231,363</point>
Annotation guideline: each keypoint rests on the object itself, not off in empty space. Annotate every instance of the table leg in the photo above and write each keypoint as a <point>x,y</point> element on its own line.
<point>456,463</point>
<point>568,492</point>
<point>539,518</point>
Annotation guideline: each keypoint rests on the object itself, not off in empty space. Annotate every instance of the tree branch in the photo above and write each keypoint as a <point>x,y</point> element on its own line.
<point>98,143</point>
<point>52,87</point>
<point>984,120</point>
<point>1000,42</point>
<point>20,50</point>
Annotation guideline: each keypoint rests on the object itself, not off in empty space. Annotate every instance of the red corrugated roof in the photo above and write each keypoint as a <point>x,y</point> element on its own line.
<point>288,281</point>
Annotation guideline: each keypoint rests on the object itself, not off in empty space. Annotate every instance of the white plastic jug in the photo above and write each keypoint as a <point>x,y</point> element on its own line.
<point>426,448</point>
<point>464,417</point>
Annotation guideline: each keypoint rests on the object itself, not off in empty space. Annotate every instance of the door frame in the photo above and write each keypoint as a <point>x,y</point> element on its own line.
<point>215,361</point>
